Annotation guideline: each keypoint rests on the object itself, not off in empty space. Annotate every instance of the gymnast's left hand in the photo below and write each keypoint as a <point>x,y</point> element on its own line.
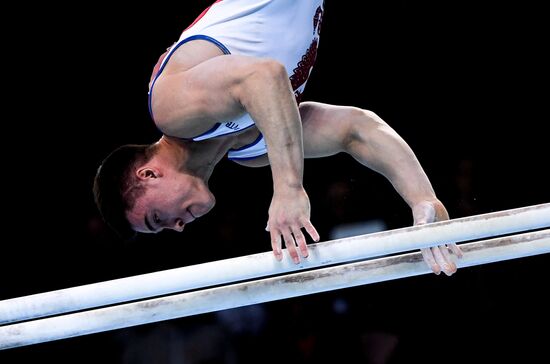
<point>438,258</point>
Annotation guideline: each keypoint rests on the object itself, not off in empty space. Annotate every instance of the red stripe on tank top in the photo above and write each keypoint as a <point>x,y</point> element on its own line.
<point>201,15</point>
<point>161,58</point>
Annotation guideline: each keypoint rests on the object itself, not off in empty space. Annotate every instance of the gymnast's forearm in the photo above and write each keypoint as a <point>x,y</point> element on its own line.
<point>376,145</point>
<point>269,99</point>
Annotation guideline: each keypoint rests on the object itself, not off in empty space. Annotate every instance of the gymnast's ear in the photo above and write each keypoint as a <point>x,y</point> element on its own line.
<point>148,172</point>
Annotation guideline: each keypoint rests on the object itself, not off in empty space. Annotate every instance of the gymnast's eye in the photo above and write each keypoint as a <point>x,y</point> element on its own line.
<point>156,218</point>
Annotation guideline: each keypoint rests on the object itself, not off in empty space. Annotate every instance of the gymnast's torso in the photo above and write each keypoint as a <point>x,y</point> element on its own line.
<point>284,30</point>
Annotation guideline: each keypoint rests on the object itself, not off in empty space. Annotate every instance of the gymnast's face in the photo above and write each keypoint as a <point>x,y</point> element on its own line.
<point>171,200</point>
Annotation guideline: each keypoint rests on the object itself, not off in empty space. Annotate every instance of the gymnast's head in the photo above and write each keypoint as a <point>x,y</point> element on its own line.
<point>147,188</point>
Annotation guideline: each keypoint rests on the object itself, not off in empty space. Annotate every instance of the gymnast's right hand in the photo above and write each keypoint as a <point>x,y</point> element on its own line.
<point>288,214</point>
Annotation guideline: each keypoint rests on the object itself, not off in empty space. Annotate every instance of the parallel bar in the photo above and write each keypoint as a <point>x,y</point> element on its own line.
<point>264,264</point>
<point>264,290</point>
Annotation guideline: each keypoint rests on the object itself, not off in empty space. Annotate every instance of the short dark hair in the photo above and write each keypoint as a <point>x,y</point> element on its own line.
<point>116,187</point>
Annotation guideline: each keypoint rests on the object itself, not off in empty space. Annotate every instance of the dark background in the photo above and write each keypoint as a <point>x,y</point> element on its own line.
<point>465,84</point>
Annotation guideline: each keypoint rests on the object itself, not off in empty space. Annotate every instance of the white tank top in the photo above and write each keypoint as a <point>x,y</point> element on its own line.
<point>284,30</point>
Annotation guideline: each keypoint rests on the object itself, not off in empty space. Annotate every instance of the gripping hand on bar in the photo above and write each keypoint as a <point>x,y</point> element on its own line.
<point>438,258</point>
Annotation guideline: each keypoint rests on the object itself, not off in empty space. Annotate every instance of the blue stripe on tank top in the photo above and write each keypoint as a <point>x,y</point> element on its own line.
<point>165,62</point>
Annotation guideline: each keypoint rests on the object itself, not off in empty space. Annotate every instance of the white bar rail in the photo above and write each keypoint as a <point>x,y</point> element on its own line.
<point>264,264</point>
<point>263,290</point>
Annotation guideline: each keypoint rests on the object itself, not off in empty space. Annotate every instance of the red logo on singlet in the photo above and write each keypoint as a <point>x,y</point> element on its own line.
<point>301,72</point>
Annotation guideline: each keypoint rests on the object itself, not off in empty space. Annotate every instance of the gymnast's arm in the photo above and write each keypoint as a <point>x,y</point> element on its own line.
<point>365,136</point>
<point>224,87</point>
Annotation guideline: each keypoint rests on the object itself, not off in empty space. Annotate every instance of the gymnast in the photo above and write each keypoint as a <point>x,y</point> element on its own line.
<point>231,85</point>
